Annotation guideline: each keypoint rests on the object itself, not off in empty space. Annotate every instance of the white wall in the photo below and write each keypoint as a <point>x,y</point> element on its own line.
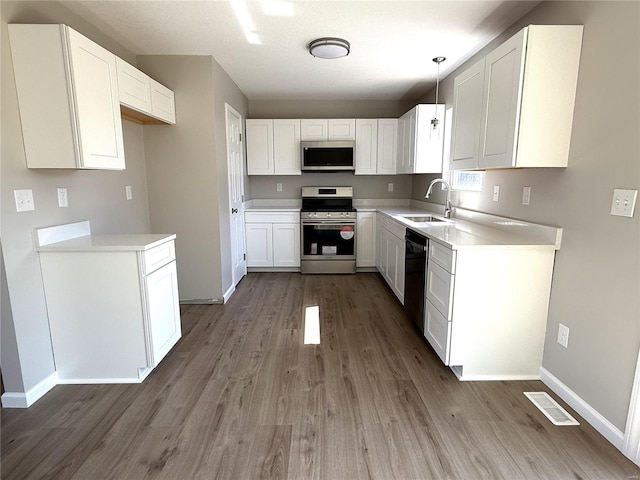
<point>97,196</point>
<point>596,282</point>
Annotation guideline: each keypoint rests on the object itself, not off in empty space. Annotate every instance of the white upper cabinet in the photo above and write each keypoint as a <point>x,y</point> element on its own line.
<point>322,129</point>
<point>528,96</point>
<point>142,99</point>
<point>273,146</point>
<point>387,146</point>
<point>68,98</point>
<point>376,145</point>
<point>366,146</point>
<point>259,133</point>
<point>465,134</point>
<point>286,146</point>
<point>342,129</point>
<point>420,147</point>
<point>134,87</point>
<point>314,129</point>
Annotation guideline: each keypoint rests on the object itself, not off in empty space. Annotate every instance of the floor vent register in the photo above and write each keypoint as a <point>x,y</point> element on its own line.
<point>551,409</point>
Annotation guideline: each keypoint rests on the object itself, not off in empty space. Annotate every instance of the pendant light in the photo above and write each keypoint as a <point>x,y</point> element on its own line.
<point>435,121</point>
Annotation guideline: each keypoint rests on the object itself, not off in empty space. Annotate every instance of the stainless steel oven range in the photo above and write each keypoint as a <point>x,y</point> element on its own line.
<point>328,226</point>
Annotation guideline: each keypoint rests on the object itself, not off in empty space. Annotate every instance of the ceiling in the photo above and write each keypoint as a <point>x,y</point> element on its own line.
<point>392,41</point>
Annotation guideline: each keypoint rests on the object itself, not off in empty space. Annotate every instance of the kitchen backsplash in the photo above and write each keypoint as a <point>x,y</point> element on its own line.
<point>364,186</point>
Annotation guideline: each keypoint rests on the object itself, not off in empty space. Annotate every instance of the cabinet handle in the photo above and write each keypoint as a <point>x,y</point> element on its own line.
<point>234,210</point>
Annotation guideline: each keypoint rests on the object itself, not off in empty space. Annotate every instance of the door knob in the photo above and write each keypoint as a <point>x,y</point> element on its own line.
<point>234,210</point>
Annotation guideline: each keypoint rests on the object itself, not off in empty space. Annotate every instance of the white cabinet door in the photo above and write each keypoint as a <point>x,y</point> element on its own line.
<point>503,76</point>
<point>163,310</point>
<point>366,146</point>
<point>440,288</point>
<point>342,129</point>
<point>314,129</point>
<point>395,271</point>
<point>163,105</point>
<point>381,246</point>
<point>467,112</point>
<point>366,239</point>
<point>387,146</point>
<point>286,244</point>
<point>429,142</point>
<point>134,87</point>
<point>259,238</point>
<point>286,146</point>
<point>259,135</point>
<point>95,85</point>
<point>437,331</point>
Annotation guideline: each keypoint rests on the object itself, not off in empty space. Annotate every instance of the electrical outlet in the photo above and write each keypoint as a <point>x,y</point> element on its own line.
<point>526,195</point>
<point>128,192</point>
<point>389,187</point>
<point>24,200</point>
<point>63,200</point>
<point>563,335</point>
<point>496,193</point>
<point>623,202</point>
<point>278,187</point>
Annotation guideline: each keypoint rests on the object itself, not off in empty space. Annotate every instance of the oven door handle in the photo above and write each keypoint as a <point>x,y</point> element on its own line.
<point>328,222</point>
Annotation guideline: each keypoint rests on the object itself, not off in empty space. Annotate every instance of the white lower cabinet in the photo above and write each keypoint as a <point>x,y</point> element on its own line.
<point>366,239</point>
<point>390,253</point>
<point>486,309</point>
<point>272,238</point>
<point>113,308</point>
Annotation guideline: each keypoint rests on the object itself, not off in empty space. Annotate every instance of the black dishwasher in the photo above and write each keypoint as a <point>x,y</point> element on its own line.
<point>415,266</point>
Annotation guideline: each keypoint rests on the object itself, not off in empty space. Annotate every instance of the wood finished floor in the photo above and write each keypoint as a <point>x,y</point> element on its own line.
<point>241,397</point>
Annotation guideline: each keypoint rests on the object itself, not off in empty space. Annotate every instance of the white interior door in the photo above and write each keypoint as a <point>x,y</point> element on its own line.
<point>236,192</point>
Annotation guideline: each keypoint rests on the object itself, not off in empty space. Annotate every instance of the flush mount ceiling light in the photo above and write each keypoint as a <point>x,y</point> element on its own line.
<point>329,47</point>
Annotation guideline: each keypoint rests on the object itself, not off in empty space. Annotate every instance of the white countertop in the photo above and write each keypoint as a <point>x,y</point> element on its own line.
<point>468,229</point>
<point>96,243</point>
<point>77,237</point>
<point>487,231</point>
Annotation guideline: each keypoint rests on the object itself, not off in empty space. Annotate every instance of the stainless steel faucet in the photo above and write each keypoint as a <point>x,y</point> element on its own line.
<point>447,207</point>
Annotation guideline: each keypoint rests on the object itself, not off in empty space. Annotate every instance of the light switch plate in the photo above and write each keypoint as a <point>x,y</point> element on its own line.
<point>63,199</point>
<point>623,202</point>
<point>128,192</point>
<point>526,195</point>
<point>496,193</point>
<point>389,187</point>
<point>24,200</point>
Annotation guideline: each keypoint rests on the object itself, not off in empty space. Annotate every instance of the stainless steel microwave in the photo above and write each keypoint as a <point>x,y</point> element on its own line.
<point>328,156</point>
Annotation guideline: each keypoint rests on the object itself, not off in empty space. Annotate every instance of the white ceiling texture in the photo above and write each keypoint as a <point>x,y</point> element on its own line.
<point>262,44</point>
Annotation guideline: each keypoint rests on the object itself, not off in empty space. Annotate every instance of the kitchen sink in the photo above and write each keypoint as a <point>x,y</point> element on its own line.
<point>422,218</point>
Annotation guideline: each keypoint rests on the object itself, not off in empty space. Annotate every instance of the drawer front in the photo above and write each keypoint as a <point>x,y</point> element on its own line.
<point>437,331</point>
<point>159,256</point>
<point>440,288</point>
<point>398,229</point>
<point>443,256</point>
<point>272,217</point>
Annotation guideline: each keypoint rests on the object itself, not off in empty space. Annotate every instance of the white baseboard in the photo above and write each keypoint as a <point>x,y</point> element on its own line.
<point>586,411</point>
<point>228,293</point>
<point>28,398</point>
